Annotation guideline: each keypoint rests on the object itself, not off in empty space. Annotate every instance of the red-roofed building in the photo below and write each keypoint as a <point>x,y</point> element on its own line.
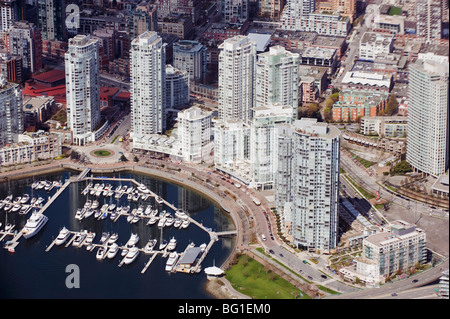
<point>51,78</point>
<point>107,95</point>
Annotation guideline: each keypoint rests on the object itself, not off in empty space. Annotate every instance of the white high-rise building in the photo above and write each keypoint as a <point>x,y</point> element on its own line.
<point>195,132</point>
<point>276,78</point>
<point>237,60</point>
<point>427,140</point>
<point>11,118</point>
<point>263,146</point>
<point>82,88</point>
<point>148,84</point>
<point>231,144</point>
<point>307,182</point>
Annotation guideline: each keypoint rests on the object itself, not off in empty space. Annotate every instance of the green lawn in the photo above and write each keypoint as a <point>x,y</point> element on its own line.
<point>251,278</point>
<point>102,153</point>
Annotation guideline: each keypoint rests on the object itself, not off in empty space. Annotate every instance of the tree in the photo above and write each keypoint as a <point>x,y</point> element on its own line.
<point>123,158</point>
<point>392,105</point>
<point>327,115</point>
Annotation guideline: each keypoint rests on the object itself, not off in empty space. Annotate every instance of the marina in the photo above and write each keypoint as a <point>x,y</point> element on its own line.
<point>158,213</point>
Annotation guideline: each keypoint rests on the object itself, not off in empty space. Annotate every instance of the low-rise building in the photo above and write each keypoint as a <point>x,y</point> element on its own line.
<point>396,250</point>
<point>373,44</point>
<point>385,126</point>
<point>31,147</point>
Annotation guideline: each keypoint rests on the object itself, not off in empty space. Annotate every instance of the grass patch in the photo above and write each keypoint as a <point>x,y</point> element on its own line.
<point>364,192</point>
<point>362,161</point>
<point>395,11</point>
<point>252,279</point>
<point>102,153</point>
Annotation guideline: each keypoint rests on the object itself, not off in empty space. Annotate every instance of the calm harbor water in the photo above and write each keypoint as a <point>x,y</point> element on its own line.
<point>31,272</point>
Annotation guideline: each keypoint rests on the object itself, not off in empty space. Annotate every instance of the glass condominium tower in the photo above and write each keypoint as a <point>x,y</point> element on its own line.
<point>148,84</point>
<point>427,130</point>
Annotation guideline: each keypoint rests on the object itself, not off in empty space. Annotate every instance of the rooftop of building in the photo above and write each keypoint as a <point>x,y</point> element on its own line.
<point>377,38</point>
<point>367,78</point>
<point>50,76</point>
<point>319,53</point>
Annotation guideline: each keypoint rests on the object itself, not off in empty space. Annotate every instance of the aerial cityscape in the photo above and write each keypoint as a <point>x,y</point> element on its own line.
<point>224,149</point>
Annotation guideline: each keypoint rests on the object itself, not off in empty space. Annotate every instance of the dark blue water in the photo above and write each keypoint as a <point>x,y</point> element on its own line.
<point>31,272</point>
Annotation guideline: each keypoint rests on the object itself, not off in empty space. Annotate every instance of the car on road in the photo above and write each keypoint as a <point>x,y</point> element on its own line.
<point>393,294</point>
<point>415,280</point>
<point>323,276</point>
<point>271,251</point>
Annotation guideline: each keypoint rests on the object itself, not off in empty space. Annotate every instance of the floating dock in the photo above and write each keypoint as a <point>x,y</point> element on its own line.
<point>195,264</point>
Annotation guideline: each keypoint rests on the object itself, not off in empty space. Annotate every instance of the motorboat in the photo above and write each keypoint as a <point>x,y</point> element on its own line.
<point>33,201</point>
<point>142,188</point>
<point>104,215</point>
<point>162,222</point>
<point>90,237</point>
<point>80,213</point>
<point>63,235</point>
<point>88,204</point>
<point>113,250</point>
<point>17,200</point>
<point>185,223</point>
<point>25,199</point>
<point>150,245</point>
<point>152,220</point>
<point>97,213</point>
<point>180,214</point>
<point>34,224</point>
<point>39,201</point>
<point>34,185</point>
<point>136,197</point>
<point>25,209</point>
<point>159,200</point>
<point>163,244</point>
<point>172,244</point>
<point>169,221</point>
<point>130,218</point>
<point>113,238</point>
<point>104,208</point>
<point>131,255</point>
<point>101,252</point>
<point>135,219</point>
<point>126,209</point>
<point>111,207</point>
<point>140,211</point>
<point>104,238</point>
<point>41,185</point>
<point>177,222</point>
<point>79,238</point>
<point>113,215</point>
<point>89,213</point>
<point>16,208</point>
<point>48,186</point>
<point>171,261</point>
<point>8,206</point>
<point>95,204</point>
<point>202,247</point>
<point>134,238</point>
<point>148,210</point>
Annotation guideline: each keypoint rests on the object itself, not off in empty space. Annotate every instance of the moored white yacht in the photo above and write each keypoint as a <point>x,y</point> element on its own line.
<point>34,224</point>
<point>172,244</point>
<point>134,238</point>
<point>63,235</point>
<point>171,261</point>
<point>150,245</point>
<point>113,250</point>
<point>131,255</point>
